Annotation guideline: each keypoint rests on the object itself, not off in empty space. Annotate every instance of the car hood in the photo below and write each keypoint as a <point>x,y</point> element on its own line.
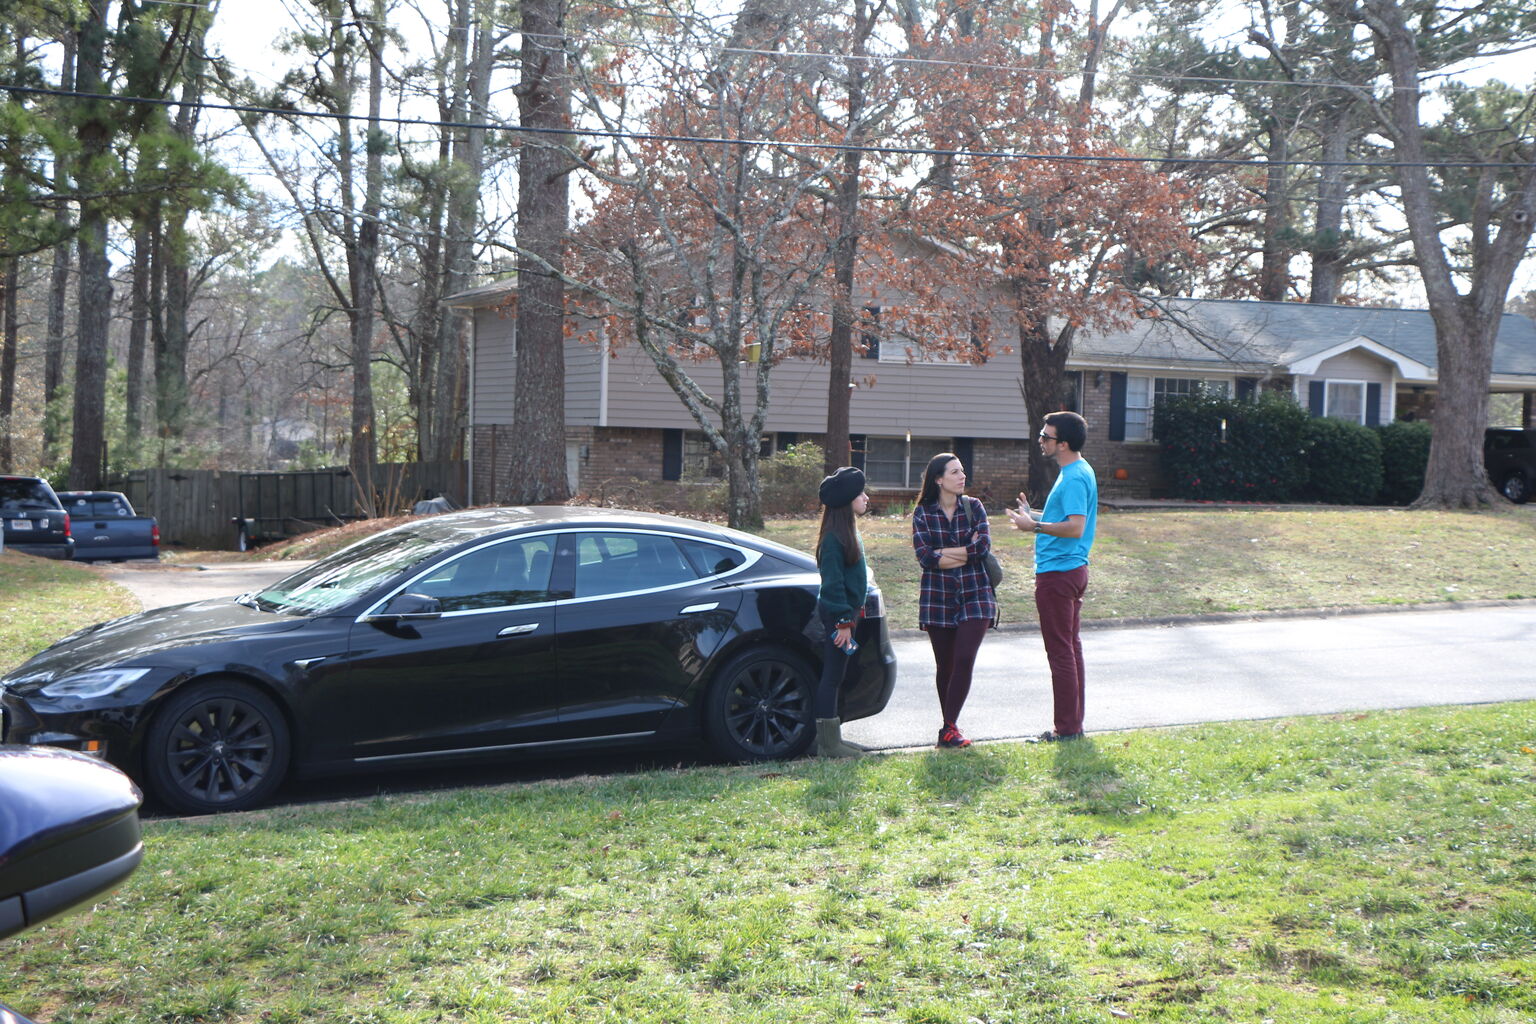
<point>138,639</point>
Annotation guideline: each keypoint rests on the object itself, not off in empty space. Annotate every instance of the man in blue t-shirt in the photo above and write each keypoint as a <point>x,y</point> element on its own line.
<point>1063,538</point>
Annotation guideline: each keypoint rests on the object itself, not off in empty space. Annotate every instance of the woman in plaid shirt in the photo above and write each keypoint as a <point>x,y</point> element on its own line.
<point>956,603</point>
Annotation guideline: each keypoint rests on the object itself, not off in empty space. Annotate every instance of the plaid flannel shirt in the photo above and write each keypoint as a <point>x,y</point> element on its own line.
<point>949,597</point>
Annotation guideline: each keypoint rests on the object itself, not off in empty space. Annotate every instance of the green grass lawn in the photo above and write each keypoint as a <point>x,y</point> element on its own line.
<point>1150,564</point>
<point>1359,869</point>
<point>42,600</point>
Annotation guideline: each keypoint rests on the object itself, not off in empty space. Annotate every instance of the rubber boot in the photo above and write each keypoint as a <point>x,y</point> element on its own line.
<point>829,740</point>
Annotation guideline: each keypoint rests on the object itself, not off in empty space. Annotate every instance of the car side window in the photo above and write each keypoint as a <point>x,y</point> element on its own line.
<point>710,559</point>
<point>510,573</point>
<point>618,563</point>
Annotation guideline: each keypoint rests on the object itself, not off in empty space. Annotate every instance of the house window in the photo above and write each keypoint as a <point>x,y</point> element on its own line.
<point>700,460</point>
<point>1138,409</point>
<point>898,462</point>
<point>1345,400</point>
<point>1144,394</point>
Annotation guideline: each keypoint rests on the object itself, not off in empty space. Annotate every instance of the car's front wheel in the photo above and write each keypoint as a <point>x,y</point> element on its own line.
<point>759,707</point>
<point>1517,488</point>
<point>220,745</point>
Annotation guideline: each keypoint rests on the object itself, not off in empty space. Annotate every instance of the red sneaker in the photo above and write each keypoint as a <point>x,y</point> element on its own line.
<point>950,736</point>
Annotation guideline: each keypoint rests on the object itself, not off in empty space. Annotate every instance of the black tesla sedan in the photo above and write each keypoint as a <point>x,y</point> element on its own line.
<point>490,632</point>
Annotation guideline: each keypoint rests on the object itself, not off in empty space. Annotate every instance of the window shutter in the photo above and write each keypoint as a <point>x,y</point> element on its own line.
<point>1117,406</point>
<point>1315,390</point>
<point>1373,405</point>
<point>671,454</point>
<point>1247,388</point>
<point>787,438</point>
<point>856,450</point>
<point>965,448</point>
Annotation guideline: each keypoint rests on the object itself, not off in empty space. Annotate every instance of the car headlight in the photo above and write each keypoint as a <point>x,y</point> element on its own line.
<point>95,684</point>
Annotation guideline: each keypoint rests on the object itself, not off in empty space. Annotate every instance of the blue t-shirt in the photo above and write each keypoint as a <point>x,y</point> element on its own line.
<point>1075,493</point>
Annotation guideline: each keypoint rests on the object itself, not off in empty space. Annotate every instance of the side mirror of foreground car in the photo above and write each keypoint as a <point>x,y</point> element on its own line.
<point>69,831</point>
<point>408,607</point>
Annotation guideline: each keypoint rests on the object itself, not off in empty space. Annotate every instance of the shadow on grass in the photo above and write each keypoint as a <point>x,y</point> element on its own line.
<point>1089,782</point>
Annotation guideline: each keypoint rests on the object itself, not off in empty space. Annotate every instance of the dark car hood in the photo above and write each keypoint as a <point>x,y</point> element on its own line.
<point>137,639</point>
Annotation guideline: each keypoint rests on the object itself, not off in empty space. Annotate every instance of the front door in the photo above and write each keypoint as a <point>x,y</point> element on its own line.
<point>644,615</point>
<point>480,678</point>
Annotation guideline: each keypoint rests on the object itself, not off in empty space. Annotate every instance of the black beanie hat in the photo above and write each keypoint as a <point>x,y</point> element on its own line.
<point>842,487</point>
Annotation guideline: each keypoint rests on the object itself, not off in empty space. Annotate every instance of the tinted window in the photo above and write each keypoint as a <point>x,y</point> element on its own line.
<point>710,559</point>
<point>19,494</point>
<point>96,508</point>
<point>510,573</point>
<point>618,563</point>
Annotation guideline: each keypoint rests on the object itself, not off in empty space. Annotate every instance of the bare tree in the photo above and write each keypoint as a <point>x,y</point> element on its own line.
<point>1468,192</point>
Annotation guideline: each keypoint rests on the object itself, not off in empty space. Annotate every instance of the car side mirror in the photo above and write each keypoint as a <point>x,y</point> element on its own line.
<point>69,831</point>
<point>408,607</point>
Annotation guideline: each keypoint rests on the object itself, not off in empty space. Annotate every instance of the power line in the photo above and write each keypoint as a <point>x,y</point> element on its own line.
<point>1177,162</point>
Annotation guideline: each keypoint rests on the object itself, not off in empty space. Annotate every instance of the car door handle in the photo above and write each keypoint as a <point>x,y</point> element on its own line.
<point>521,630</point>
<point>691,609</point>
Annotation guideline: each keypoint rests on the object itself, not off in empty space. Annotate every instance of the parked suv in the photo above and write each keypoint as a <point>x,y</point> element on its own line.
<point>1509,455</point>
<point>35,520</point>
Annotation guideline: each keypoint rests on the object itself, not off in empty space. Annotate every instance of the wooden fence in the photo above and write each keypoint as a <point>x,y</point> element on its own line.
<point>196,507</point>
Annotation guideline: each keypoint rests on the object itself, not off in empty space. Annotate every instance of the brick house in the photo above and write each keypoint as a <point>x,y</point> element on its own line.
<point>623,422</point>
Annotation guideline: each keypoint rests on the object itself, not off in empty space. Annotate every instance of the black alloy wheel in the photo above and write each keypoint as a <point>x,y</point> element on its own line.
<point>759,707</point>
<point>218,746</point>
<point>1517,488</point>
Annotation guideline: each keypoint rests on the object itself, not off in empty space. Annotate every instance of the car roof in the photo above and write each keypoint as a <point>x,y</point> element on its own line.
<point>474,522</point>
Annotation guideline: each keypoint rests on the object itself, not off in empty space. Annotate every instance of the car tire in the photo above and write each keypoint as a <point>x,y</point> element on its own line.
<point>1516,488</point>
<point>219,745</point>
<point>759,707</point>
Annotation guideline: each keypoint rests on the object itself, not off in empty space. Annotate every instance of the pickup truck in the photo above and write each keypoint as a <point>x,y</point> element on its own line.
<point>35,521</point>
<point>106,528</point>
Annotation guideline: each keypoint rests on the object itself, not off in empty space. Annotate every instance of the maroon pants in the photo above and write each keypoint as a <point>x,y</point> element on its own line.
<point>954,653</point>
<point>1059,600</point>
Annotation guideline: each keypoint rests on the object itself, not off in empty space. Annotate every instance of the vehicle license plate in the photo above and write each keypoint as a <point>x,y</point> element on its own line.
<point>21,524</point>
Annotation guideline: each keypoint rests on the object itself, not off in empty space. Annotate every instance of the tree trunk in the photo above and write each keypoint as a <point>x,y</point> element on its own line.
<point>1274,271</point>
<point>1455,476</point>
<point>8,288</point>
<point>845,258</point>
<point>138,326</point>
<point>171,352</point>
<point>538,474</point>
<point>58,280</point>
<point>1043,360</point>
<point>94,133</point>
<point>364,441</point>
<point>449,381</point>
<point>1328,255</point>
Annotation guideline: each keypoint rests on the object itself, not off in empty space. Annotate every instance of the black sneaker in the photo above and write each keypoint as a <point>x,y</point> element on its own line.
<point>1051,736</point>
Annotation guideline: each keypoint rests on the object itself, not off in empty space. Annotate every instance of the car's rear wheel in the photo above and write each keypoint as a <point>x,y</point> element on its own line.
<point>220,745</point>
<point>1517,488</point>
<point>759,707</point>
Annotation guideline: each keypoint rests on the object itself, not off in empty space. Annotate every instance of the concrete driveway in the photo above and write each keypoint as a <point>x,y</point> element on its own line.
<point>1139,676</point>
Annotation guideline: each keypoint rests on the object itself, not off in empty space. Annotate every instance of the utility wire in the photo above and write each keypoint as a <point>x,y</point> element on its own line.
<point>1178,162</point>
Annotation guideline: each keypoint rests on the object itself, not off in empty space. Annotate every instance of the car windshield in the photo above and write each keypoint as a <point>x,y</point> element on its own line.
<point>17,495</point>
<point>337,579</point>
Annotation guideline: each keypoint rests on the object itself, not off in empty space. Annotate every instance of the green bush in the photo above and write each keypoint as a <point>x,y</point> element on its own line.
<point>1404,454</point>
<point>789,480</point>
<point>1259,460</point>
<point>1344,462</point>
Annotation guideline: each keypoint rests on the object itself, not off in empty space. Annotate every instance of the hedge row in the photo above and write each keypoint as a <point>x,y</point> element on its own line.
<point>1271,449</point>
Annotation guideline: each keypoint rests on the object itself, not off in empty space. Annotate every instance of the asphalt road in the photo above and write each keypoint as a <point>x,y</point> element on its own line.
<point>1142,676</point>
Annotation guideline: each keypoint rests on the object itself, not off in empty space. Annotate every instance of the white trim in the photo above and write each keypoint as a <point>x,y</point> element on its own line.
<point>1410,369</point>
<point>1365,396</point>
<point>602,378</point>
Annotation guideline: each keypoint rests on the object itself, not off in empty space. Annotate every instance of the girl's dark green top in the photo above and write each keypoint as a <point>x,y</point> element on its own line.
<point>843,586</point>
